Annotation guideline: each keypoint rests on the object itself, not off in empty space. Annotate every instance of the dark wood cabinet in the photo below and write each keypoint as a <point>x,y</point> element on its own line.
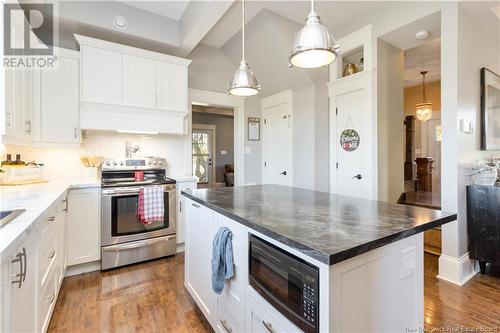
<point>483,224</point>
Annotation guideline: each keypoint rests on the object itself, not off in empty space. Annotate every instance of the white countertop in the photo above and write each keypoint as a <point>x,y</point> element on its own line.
<point>184,178</point>
<point>35,199</point>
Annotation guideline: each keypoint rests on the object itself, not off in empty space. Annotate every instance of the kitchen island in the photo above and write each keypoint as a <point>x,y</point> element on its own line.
<point>368,255</point>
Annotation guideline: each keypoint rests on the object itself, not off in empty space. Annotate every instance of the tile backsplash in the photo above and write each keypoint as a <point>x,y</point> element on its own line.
<point>64,163</point>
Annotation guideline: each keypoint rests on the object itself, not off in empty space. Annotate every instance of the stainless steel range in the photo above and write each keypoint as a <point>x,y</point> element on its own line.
<point>124,239</point>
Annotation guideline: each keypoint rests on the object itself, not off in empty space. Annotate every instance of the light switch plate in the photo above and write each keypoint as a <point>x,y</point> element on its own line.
<point>223,152</point>
<point>248,150</point>
<point>408,261</point>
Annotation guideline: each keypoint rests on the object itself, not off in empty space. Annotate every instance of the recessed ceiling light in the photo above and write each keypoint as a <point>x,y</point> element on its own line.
<point>424,34</point>
<point>120,22</point>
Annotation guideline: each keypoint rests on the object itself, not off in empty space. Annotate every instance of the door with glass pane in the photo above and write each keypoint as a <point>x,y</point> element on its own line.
<point>202,143</point>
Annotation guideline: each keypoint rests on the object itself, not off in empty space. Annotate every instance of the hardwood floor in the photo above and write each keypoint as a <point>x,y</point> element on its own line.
<point>150,297</point>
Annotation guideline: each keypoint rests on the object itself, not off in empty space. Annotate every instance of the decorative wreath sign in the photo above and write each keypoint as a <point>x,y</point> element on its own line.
<point>349,139</point>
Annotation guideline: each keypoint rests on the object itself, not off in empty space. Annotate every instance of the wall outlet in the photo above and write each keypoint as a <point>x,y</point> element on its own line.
<point>408,261</point>
<point>466,126</point>
<point>223,152</point>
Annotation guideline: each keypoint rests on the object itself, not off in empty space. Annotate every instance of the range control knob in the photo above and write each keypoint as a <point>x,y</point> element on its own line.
<point>121,163</point>
<point>154,163</point>
<point>114,162</point>
<point>149,162</point>
<point>107,163</point>
<point>160,163</point>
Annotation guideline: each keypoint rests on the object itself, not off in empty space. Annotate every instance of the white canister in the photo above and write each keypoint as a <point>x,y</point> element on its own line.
<point>91,173</point>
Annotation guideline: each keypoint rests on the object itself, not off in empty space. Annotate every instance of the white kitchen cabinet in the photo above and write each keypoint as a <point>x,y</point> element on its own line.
<point>182,185</point>
<point>259,320</point>
<point>60,118</point>
<point>83,225</point>
<point>18,289</point>
<point>139,82</point>
<point>101,76</point>
<point>198,244</point>
<point>172,87</point>
<point>19,92</point>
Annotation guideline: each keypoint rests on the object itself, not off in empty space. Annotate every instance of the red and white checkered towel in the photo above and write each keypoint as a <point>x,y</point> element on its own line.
<point>151,208</point>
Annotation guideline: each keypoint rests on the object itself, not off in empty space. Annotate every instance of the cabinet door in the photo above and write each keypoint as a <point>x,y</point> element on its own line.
<point>19,300</point>
<point>139,82</point>
<point>259,321</point>
<point>172,87</point>
<point>101,76</point>
<point>83,226</point>
<point>19,103</point>
<point>181,186</point>
<point>59,100</point>
<point>198,243</point>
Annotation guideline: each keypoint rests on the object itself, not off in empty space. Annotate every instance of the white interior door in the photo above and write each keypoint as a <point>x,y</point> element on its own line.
<point>353,169</point>
<point>277,145</point>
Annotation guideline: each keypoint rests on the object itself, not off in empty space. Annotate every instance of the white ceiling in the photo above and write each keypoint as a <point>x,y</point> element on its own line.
<point>170,9</point>
<point>340,17</point>
<point>426,57</point>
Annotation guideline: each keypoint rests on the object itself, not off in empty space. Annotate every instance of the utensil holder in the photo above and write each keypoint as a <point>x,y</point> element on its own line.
<point>91,173</point>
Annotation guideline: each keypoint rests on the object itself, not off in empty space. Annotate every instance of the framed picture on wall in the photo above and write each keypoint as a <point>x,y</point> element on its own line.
<point>253,129</point>
<point>490,110</point>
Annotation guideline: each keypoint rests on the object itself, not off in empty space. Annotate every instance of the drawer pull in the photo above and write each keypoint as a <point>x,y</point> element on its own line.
<point>224,323</point>
<point>52,254</point>
<point>51,219</point>
<point>196,205</point>
<point>50,299</point>
<point>268,326</point>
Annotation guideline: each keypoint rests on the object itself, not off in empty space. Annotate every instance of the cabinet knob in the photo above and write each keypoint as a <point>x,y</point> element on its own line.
<point>196,205</point>
<point>268,326</point>
<point>224,325</point>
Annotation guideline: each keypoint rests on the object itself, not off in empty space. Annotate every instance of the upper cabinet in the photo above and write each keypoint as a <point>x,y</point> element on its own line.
<point>60,119</point>
<point>171,87</point>
<point>139,75</point>
<point>126,88</point>
<point>101,76</point>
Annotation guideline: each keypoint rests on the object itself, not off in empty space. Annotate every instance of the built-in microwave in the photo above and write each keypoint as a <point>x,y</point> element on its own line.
<point>286,281</point>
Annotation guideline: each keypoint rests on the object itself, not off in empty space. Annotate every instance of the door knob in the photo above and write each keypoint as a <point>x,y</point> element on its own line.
<point>358,176</point>
<point>283,173</point>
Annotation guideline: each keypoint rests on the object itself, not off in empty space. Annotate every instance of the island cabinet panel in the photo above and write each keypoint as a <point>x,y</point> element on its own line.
<point>199,232</point>
<point>381,290</point>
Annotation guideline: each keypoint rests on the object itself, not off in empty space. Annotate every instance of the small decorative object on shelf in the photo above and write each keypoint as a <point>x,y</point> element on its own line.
<point>349,69</point>
<point>361,65</point>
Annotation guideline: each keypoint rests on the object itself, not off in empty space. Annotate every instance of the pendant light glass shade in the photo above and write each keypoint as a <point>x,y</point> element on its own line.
<point>244,82</point>
<point>424,109</point>
<point>313,46</point>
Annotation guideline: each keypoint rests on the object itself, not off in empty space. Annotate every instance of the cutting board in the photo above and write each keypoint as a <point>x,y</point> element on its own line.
<point>25,182</point>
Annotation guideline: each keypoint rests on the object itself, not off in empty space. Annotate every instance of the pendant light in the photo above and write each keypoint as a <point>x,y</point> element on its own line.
<point>313,46</point>
<point>424,109</point>
<point>243,82</point>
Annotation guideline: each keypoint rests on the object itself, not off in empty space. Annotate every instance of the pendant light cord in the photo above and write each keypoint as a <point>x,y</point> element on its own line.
<point>243,31</point>
<point>313,12</point>
<point>423,85</point>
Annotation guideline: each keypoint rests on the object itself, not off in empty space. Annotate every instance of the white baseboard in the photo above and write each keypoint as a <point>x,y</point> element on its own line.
<point>180,247</point>
<point>83,268</point>
<point>456,270</point>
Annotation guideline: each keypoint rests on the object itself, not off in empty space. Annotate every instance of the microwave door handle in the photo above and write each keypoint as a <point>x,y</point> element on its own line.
<point>263,253</point>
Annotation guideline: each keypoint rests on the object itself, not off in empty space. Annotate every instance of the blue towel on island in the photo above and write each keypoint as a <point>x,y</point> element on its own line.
<point>222,259</point>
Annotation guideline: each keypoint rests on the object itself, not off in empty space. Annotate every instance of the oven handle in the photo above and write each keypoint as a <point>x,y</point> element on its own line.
<point>115,193</point>
<point>136,244</point>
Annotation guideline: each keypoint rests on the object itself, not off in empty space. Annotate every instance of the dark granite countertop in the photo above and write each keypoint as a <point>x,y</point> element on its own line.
<point>328,227</point>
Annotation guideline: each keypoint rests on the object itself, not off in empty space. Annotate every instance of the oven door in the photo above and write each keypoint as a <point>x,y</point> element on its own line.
<point>119,221</point>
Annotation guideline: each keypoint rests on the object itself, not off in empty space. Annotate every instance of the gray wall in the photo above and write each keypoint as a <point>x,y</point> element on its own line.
<point>224,139</point>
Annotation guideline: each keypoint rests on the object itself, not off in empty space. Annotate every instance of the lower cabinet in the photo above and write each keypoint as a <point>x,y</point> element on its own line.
<point>32,273</point>
<point>19,297</point>
<point>238,308</point>
<point>182,186</point>
<point>83,225</point>
<point>198,240</point>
